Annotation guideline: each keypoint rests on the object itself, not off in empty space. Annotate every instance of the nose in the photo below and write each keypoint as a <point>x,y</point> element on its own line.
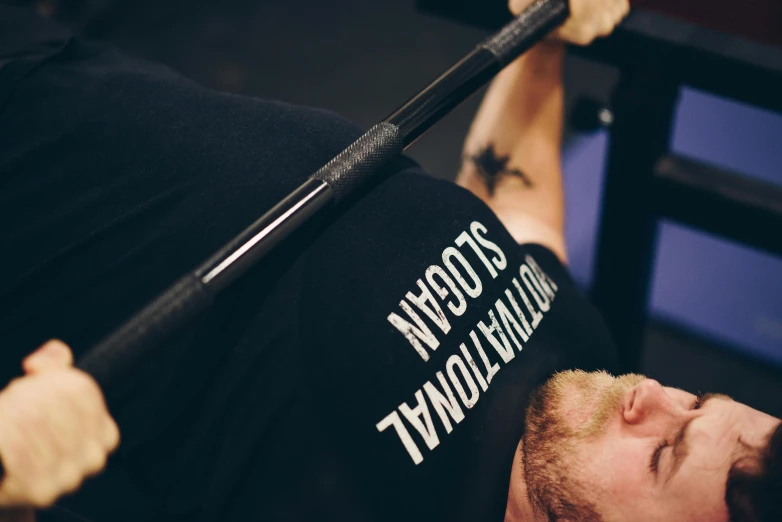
<point>647,400</point>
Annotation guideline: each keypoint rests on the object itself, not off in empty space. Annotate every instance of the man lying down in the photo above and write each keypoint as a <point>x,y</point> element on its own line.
<point>383,365</point>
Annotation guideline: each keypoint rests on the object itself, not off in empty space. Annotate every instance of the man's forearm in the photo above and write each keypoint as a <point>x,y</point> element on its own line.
<point>512,152</point>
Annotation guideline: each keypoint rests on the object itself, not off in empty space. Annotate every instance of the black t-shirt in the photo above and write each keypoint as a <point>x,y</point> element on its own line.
<point>375,367</point>
<point>26,38</point>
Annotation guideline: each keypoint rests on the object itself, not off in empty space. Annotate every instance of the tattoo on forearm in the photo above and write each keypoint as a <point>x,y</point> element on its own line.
<point>492,167</point>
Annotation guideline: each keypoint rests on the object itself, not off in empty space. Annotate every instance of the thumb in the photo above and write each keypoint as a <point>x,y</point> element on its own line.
<point>52,355</point>
<point>518,6</point>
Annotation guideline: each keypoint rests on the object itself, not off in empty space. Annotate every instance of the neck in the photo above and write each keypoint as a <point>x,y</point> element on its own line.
<point>519,508</point>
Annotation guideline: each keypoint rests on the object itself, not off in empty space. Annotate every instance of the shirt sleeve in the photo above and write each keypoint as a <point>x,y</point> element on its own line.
<point>550,262</point>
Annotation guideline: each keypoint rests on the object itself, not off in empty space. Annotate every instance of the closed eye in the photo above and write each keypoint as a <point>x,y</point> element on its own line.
<point>654,462</point>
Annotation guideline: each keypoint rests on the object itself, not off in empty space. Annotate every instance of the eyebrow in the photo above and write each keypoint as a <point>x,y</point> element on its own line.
<point>680,447</point>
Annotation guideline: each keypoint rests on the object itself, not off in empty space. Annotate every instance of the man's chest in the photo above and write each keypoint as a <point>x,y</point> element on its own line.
<point>421,375</point>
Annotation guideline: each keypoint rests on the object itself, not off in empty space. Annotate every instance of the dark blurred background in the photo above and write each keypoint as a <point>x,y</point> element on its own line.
<point>715,307</point>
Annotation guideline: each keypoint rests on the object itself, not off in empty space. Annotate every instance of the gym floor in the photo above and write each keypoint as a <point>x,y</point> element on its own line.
<point>362,59</point>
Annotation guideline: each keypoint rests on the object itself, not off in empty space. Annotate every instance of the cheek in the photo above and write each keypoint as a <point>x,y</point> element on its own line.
<point>577,416</point>
<point>617,469</point>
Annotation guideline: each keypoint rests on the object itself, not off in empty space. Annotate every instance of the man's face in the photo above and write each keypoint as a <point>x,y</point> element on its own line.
<point>636,450</point>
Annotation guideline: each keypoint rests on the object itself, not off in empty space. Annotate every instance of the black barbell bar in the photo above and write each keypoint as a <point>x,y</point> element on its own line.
<point>140,337</point>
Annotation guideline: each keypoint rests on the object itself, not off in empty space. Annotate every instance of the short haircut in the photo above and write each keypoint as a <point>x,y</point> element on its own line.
<point>754,487</point>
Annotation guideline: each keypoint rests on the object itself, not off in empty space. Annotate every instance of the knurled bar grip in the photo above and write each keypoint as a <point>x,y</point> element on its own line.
<point>130,345</point>
<point>531,26</point>
<point>361,160</point>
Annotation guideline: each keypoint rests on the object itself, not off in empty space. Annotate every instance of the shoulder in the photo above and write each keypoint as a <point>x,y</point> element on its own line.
<point>93,85</point>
